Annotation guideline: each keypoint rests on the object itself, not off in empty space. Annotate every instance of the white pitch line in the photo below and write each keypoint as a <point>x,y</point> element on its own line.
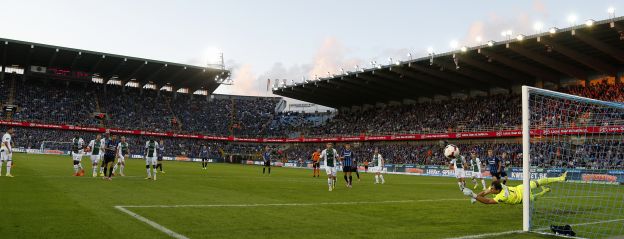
<point>539,229</point>
<point>152,223</point>
<point>180,236</point>
<point>487,235</point>
<point>290,204</point>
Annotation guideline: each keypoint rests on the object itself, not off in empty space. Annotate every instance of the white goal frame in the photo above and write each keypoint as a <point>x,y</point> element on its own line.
<point>526,142</point>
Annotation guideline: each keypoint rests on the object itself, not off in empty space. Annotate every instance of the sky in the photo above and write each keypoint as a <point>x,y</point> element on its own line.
<point>282,39</point>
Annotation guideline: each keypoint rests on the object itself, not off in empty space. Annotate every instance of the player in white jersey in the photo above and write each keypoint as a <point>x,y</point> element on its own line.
<point>475,170</point>
<point>6,152</point>
<point>379,167</point>
<point>96,148</point>
<point>330,161</point>
<point>77,151</point>
<point>151,156</point>
<point>459,164</point>
<point>123,151</point>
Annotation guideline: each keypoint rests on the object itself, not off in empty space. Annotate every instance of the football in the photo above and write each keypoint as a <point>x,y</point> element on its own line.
<point>451,151</point>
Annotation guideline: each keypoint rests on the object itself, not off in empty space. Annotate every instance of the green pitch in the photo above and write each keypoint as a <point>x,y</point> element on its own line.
<point>236,201</point>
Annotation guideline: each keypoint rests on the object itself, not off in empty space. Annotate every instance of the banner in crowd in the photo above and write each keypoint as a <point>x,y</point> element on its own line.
<point>404,137</point>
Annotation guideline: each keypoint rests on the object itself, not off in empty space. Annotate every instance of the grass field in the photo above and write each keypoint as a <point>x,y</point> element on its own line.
<point>236,201</point>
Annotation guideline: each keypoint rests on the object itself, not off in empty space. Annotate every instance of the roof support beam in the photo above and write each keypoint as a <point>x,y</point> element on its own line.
<point>393,90</point>
<point>153,75</point>
<point>554,64</point>
<point>441,75</point>
<point>94,68</point>
<point>4,47</point>
<point>175,78</point>
<point>125,80</point>
<point>475,75</point>
<point>119,65</point>
<point>30,54</point>
<point>502,73</point>
<point>601,46</point>
<point>432,79</point>
<point>404,81</point>
<point>75,60</point>
<point>53,58</point>
<point>521,66</point>
<point>586,60</point>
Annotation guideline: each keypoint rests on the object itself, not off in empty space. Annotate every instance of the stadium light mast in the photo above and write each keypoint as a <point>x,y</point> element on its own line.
<point>572,19</point>
<point>538,27</point>
<point>611,11</point>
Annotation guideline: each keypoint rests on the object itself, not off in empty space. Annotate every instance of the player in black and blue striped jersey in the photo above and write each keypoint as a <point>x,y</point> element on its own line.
<point>493,165</point>
<point>266,156</point>
<point>347,164</point>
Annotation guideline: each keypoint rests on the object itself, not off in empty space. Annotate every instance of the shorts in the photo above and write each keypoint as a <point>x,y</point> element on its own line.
<point>267,163</point>
<point>95,158</point>
<point>331,171</point>
<point>77,157</point>
<point>495,175</point>
<point>316,165</point>
<point>150,160</point>
<point>459,173</point>
<point>5,155</point>
<point>354,169</point>
<point>366,167</point>
<point>159,158</point>
<point>502,174</point>
<point>377,169</point>
<point>109,159</point>
<point>474,174</point>
<point>346,169</point>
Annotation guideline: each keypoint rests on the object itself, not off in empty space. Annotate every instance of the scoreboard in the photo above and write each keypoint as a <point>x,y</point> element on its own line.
<point>62,73</point>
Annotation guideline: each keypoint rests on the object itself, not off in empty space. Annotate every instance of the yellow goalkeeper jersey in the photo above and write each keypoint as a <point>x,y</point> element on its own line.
<point>510,195</point>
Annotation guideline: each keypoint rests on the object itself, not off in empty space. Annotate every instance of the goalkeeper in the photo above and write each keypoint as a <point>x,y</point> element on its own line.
<point>512,195</point>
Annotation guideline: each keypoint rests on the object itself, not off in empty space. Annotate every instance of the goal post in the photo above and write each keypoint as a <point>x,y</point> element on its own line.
<point>585,138</point>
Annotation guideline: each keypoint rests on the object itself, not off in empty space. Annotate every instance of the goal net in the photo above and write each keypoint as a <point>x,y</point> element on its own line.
<point>583,137</point>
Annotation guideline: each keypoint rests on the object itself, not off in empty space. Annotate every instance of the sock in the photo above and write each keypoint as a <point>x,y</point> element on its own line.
<point>110,172</point>
<point>1,166</point>
<point>546,181</point>
<point>376,178</point>
<point>75,168</point>
<point>350,180</point>
<point>9,166</point>
<point>329,182</point>
<point>102,169</point>
<point>483,183</point>
<point>461,186</point>
<point>155,168</point>
<point>149,173</point>
<point>358,174</point>
<point>121,168</point>
<point>382,179</point>
<point>505,182</point>
<point>263,170</point>
<point>474,181</point>
<point>160,166</point>
<point>95,169</point>
<point>345,178</point>
<point>115,168</point>
<point>269,170</point>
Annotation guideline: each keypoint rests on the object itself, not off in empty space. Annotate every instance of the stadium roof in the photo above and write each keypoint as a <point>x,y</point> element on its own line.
<point>580,52</point>
<point>110,66</point>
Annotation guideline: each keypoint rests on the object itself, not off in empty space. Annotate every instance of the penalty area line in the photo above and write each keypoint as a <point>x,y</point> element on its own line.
<point>152,223</point>
<point>180,236</point>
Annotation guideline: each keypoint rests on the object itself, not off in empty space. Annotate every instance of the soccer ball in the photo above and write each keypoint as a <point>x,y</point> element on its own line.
<point>451,151</point>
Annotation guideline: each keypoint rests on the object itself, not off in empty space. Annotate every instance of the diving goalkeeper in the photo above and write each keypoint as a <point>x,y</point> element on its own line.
<point>512,195</point>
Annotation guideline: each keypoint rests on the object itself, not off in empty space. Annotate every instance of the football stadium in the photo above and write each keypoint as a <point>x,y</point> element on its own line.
<point>511,135</point>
